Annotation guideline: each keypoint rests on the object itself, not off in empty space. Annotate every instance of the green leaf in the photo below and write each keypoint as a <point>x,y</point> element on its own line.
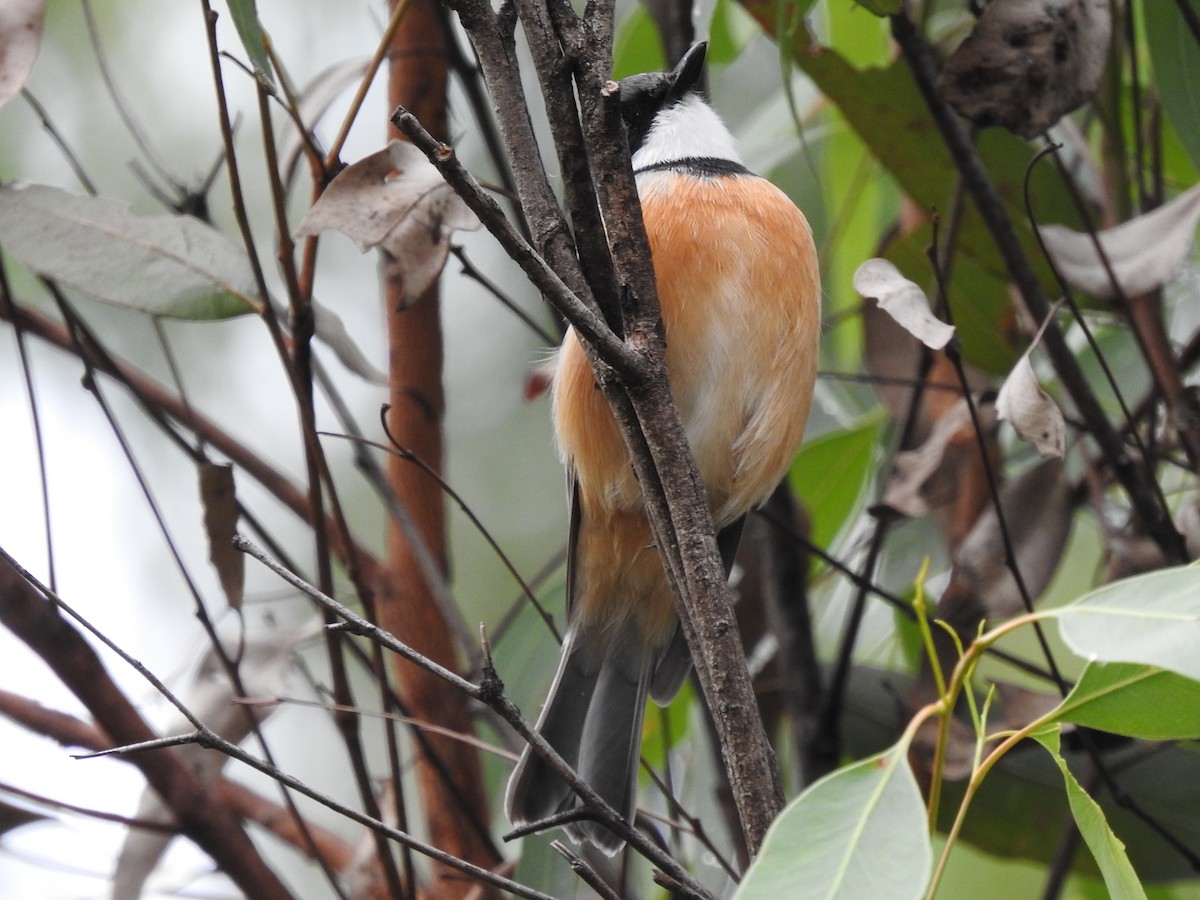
<point>1152,619</point>
<point>979,298</point>
<point>1134,700</point>
<point>172,266</point>
<point>245,19</point>
<point>730,31</point>
<point>663,728</point>
<point>831,475</point>
<point>638,46</point>
<point>858,832</point>
<point>881,7</point>
<point>1176,59</point>
<point>1119,878</point>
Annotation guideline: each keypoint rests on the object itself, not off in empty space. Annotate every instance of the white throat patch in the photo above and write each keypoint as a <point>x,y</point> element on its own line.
<point>687,130</point>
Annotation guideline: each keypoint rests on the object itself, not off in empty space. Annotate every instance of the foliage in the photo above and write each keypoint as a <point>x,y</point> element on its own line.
<point>933,667</point>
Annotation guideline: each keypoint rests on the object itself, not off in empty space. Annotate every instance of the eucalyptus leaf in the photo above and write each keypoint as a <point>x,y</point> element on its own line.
<point>1141,254</point>
<point>1134,700</point>
<point>245,19</point>
<point>174,266</point>
<point>1119,878</point>
<point>1176,57</point>
<point>1032,412</point>
<point>859,832</point>
<point>903,300</point>
<point>395,200</point>
<point>1152,619</point>
<point>831,475</point>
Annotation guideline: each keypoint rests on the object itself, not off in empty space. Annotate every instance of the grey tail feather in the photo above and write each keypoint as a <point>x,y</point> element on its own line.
<point>593,718</point>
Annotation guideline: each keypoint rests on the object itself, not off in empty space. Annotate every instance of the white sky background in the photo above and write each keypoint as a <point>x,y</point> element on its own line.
<point>112,563</point>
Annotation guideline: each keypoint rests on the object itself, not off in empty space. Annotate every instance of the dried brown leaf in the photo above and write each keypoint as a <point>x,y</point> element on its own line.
<point>20,39</point>
<point>908,489</point>
<point>904,301</point>
<point>1144,253</point>
<point>1038,511</point>
<point>220,524</point>
<point>1033,414</point>
<point>1027,63</point>
<point>397,201</point>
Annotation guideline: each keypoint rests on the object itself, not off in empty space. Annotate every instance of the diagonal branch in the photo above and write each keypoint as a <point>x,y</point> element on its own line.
<point>1133,474</point>
<point>213,826</point>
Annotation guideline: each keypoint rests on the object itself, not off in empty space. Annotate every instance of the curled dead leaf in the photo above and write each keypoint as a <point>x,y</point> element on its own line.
<point>1144,253</point>
<point>397,201</point>
<point>911,489</point>
<point>220,524</point>
<point>903,300</point>
<point>1038,511</point>
<point>20,39</point>
<point>1031,411</point>
<point>1027,63</point>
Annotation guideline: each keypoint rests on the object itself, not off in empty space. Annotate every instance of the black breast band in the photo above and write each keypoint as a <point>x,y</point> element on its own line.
<point>704,166</point>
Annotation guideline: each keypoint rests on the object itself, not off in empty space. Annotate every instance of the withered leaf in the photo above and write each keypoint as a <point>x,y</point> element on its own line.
<point>1038,511</point>
<point>331,331</point>
<point>904,301</point>
<point>906,490</point>
<point>20,39</point>
<point>1144,253</point>
<point>1027,63</point>
<point>1032,412</point>
<point>220,524</point>
<point>397,201</point>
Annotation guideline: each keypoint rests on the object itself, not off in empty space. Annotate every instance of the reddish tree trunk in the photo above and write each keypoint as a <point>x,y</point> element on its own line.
<point>456,818</point>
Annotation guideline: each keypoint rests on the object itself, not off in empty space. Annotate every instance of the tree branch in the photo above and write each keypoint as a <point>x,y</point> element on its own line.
<point>1133,474</point>
<point>214,828</point>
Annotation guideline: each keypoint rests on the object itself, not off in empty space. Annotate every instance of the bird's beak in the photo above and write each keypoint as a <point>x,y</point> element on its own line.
<point>686,74</point>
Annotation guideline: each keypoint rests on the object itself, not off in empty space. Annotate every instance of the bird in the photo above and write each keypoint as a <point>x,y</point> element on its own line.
<point>739,290</point>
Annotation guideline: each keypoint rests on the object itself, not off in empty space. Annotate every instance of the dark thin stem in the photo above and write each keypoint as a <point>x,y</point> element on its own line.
<point>123,109</point>
<point>81,174</point>
<point>898,603</point>
<point>589,325</point>
<point>586,873</point>
<point>6,300</point>
<point>408,456</point>
<point>1134,475</point>
<point>490,692</point>
<point>63,806</point>
<point>954,354</point>
<point>1191,18</point>
<point>473,272</point>
<point>83,336</point>
<point>300,303</point>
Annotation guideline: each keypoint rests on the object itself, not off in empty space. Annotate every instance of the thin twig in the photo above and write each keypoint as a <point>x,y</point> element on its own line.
<point>586,873</point>
<point>1134,475</point>
<point>490,692</point>
<point>590,326</point>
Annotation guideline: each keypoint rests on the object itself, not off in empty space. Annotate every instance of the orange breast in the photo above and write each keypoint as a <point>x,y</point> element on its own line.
<point>740,295</point>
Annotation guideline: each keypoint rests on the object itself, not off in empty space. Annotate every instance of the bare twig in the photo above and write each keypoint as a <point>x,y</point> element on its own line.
<point>1134,475</point>
<point>490,692</point>
<point>31,612</point>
